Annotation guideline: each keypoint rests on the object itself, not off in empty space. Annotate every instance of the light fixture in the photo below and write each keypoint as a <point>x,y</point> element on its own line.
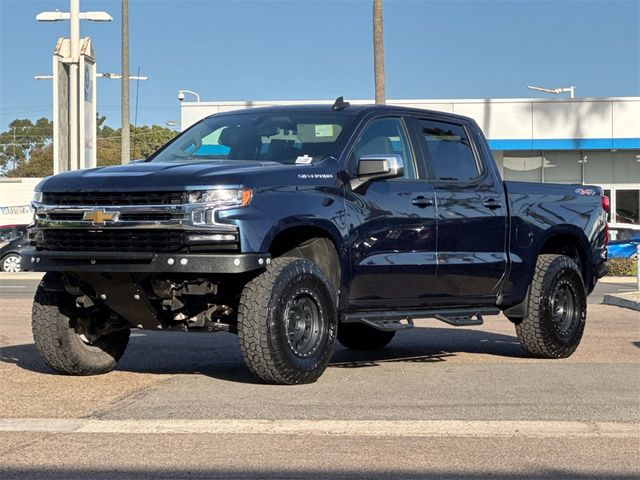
<point>58,16</point>
<point>182,92</point>
<point>571,90</point>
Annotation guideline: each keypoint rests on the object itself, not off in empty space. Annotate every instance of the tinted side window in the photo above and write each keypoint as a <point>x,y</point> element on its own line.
<point>384,136</point>
<point>448,151</point>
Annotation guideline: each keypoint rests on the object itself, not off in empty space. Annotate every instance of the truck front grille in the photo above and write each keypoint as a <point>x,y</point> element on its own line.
<point>113,198</point>
<point>124,217</point>
<point>120,240</point>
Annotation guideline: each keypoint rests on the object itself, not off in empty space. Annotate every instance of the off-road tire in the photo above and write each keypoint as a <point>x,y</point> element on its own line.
<point>557,287</point>
<point>61,347</point>
<point>358,336</point>
<point>268,331</point>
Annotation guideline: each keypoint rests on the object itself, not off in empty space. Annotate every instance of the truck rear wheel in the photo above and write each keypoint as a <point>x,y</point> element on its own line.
<point>287,322</point>
<point>358,336</point>
<point>64,349</point>
<point>557,310</point>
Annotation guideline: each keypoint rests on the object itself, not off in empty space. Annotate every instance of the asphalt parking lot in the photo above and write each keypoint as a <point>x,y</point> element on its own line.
<point>438,402</point>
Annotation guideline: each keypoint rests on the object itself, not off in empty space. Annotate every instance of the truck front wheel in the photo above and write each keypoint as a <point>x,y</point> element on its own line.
<point>61,346</point>
<point>557,309</point>
<point>287,322</point>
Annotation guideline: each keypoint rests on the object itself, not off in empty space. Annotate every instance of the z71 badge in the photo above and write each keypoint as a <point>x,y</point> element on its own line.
<point>586,191</point>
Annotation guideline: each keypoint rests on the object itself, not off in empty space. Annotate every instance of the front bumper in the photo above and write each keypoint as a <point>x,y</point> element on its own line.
<point>48,261</point>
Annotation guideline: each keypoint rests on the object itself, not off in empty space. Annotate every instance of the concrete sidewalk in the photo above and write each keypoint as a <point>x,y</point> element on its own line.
<point>608,279</point>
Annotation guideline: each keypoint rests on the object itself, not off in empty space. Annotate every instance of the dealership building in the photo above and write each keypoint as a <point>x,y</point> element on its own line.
<point>584,140</point>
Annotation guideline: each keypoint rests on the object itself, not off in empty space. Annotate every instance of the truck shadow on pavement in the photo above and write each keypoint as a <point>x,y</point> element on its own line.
<point>425,345</point>
<point>219,356</point>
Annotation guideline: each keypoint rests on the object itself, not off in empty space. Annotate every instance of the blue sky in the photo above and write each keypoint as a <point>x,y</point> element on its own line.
<point>294,50</point>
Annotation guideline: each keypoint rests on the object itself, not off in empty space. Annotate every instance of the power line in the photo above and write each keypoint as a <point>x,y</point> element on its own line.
<point>23,144</point>
<point>116,137</point>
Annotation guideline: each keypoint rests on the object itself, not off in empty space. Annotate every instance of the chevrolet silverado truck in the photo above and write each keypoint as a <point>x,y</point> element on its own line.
<point>297,226</point>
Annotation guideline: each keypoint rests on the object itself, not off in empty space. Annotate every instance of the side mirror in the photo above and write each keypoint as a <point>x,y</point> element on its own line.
<point>375,167</point>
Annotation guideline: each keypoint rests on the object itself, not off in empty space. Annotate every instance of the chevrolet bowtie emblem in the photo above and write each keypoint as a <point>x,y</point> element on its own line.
<point>100,216</point>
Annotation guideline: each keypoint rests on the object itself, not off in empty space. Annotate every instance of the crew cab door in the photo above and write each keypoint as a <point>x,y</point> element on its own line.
<point>393,240</point>
<point>471,211</point>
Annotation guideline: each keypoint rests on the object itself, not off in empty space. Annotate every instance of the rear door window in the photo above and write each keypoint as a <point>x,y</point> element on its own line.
<point>448,151</point>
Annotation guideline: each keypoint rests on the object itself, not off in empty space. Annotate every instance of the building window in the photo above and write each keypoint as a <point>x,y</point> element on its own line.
<point>627,206</point>
<point>612,167</point>
<point>522,166</point>
<point>563,167</point>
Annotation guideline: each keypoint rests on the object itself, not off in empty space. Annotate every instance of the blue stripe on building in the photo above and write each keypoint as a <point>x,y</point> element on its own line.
<point>566,144</point>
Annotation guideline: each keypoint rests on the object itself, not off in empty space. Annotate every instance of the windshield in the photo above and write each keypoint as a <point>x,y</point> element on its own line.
<point>8,234</point>
<point>284,137</point>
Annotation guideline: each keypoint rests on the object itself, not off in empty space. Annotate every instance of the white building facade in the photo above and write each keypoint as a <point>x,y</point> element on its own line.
<point>592,141</point>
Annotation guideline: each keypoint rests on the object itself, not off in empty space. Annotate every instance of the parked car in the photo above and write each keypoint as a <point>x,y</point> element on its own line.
<point>624,239</point>
<point>296,227</point>
<point>13,241</point>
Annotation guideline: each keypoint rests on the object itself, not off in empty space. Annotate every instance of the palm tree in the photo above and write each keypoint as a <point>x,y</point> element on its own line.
<point>378,52</point>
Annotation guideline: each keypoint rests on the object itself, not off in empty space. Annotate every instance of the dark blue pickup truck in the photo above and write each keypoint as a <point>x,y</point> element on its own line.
<point>298,226</point>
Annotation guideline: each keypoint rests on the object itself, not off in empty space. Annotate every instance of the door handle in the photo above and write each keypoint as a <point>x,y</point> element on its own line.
<point>422,202</point>
<point>492,204</point>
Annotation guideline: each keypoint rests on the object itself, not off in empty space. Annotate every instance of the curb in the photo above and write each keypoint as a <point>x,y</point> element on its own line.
<point>629,279</point>
<point>629,300</point>
<point>21,276</point>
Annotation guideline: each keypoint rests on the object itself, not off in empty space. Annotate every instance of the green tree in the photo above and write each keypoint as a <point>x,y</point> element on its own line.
<point>108,144</point>
<point>144,141</point>
<point>40,163</point>
<point>147,139</point>
<point>26,148</point>
<point>21,139</point>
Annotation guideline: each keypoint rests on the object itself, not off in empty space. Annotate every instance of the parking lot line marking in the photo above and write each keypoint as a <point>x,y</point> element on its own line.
<point>381,428</point>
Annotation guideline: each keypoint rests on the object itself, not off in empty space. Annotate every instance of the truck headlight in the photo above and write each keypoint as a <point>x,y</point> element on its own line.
<point>37,197</point>
<point>222,197</point>
<point>215,200</point>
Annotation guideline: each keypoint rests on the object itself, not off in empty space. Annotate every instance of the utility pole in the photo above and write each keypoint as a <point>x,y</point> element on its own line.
<point>124,97</point>
<point>378,52</point>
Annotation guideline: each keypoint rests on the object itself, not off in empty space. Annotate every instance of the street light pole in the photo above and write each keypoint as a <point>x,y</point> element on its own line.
<point>125,128</point>
<point>71,130</point>
<point>74,147</point>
